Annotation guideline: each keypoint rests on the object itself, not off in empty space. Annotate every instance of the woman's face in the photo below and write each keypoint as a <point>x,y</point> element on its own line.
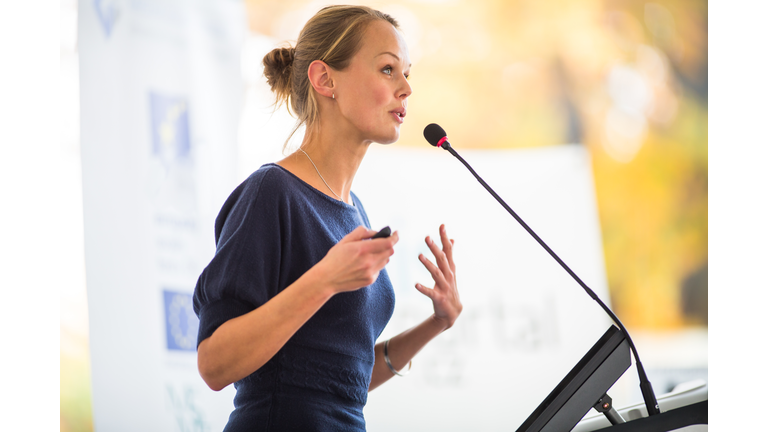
<point>372,92</point>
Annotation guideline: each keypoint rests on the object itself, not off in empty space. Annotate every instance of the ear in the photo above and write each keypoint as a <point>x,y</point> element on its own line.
<point>320,76</point>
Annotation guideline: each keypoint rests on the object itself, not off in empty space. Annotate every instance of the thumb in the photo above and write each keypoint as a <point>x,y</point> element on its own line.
<point>358,233</point>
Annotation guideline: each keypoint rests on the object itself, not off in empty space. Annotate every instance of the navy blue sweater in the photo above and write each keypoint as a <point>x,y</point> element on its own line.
<point>271,230</point>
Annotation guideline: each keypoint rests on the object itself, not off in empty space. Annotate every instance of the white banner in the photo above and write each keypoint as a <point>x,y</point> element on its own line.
<point>161,94</point>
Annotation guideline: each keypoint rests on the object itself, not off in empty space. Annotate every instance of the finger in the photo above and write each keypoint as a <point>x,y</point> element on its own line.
<point>429,292</point>
<point>447,247</point>
<point>437,275</point>
<point>391,240</point>
<point>358,233</point>
<point>381,261</point>
<point>440,258</point>
<point>384,244</point>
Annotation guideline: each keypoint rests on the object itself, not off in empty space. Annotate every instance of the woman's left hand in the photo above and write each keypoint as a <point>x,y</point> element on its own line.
<point>445,294</point>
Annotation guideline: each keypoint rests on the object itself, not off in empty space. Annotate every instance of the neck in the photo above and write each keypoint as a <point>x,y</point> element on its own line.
<point>335,158</point>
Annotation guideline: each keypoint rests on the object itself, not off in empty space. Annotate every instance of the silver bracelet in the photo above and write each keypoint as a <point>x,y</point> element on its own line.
<point>389,364</point>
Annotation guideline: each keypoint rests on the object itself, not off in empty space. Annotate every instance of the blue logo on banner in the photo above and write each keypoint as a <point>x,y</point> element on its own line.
<point>181,323</point>
<point>170,127</point>
<point>107,12</point>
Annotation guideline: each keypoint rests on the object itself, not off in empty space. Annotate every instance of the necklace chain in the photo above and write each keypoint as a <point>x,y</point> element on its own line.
<point>321,176</point>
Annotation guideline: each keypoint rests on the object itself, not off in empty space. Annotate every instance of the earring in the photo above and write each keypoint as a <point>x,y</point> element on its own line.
<point>333,95</point>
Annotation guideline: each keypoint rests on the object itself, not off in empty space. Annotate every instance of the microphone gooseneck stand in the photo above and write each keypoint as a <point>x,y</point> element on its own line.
<point>436,136</point>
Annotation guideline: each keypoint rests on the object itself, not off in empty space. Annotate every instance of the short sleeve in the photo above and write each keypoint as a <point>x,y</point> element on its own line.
<point>244,272</point>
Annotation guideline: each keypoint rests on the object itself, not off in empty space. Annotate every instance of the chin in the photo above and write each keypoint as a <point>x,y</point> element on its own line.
<point>389,139</point>
<point>386,142</point>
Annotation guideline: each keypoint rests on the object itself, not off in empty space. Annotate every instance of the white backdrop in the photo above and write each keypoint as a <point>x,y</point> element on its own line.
<point>161,93</point>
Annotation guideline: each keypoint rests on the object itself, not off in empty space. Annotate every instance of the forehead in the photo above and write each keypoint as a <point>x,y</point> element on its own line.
<point>380,37</point>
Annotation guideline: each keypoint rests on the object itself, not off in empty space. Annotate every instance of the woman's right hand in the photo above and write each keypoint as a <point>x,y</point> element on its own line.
<point>355,261</point>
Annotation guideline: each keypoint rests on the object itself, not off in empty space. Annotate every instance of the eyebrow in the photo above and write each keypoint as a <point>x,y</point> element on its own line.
<point>393,55</point>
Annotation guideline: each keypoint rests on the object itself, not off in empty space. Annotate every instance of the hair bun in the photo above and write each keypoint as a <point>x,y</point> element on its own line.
<point>278,64</point>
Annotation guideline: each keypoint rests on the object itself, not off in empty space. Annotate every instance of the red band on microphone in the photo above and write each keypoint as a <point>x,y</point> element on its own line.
<point>442,140</point>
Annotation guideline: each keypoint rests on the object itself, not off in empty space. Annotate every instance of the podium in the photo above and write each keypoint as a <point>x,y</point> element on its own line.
<point>586,386</point>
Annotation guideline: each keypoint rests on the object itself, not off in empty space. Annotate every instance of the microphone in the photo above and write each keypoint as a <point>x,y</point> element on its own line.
<point>436,136</point>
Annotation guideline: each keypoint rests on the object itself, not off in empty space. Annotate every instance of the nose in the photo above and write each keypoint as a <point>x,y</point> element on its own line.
<point>405,89</point>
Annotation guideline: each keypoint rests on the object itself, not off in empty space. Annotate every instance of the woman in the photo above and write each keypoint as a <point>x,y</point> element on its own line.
<point>293,301</point>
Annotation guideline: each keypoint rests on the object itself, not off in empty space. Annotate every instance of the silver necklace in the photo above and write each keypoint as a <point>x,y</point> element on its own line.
<point>321,176</point>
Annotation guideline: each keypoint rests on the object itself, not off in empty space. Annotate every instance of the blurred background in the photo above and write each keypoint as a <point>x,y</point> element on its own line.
<point>625,80</point>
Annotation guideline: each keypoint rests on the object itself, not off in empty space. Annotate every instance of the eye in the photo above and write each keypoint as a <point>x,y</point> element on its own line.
<point>387,70</point>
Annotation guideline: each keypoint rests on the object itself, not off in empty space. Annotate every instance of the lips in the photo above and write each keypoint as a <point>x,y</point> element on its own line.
<point>399,114</point>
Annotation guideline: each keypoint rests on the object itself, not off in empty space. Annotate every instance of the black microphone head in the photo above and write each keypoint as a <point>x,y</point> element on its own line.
<point>434,133</point>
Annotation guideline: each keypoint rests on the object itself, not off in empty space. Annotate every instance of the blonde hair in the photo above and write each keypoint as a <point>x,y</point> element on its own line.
<point>334,35</point>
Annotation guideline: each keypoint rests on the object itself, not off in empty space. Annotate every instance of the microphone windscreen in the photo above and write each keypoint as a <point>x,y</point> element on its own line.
<point>434,133</point>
